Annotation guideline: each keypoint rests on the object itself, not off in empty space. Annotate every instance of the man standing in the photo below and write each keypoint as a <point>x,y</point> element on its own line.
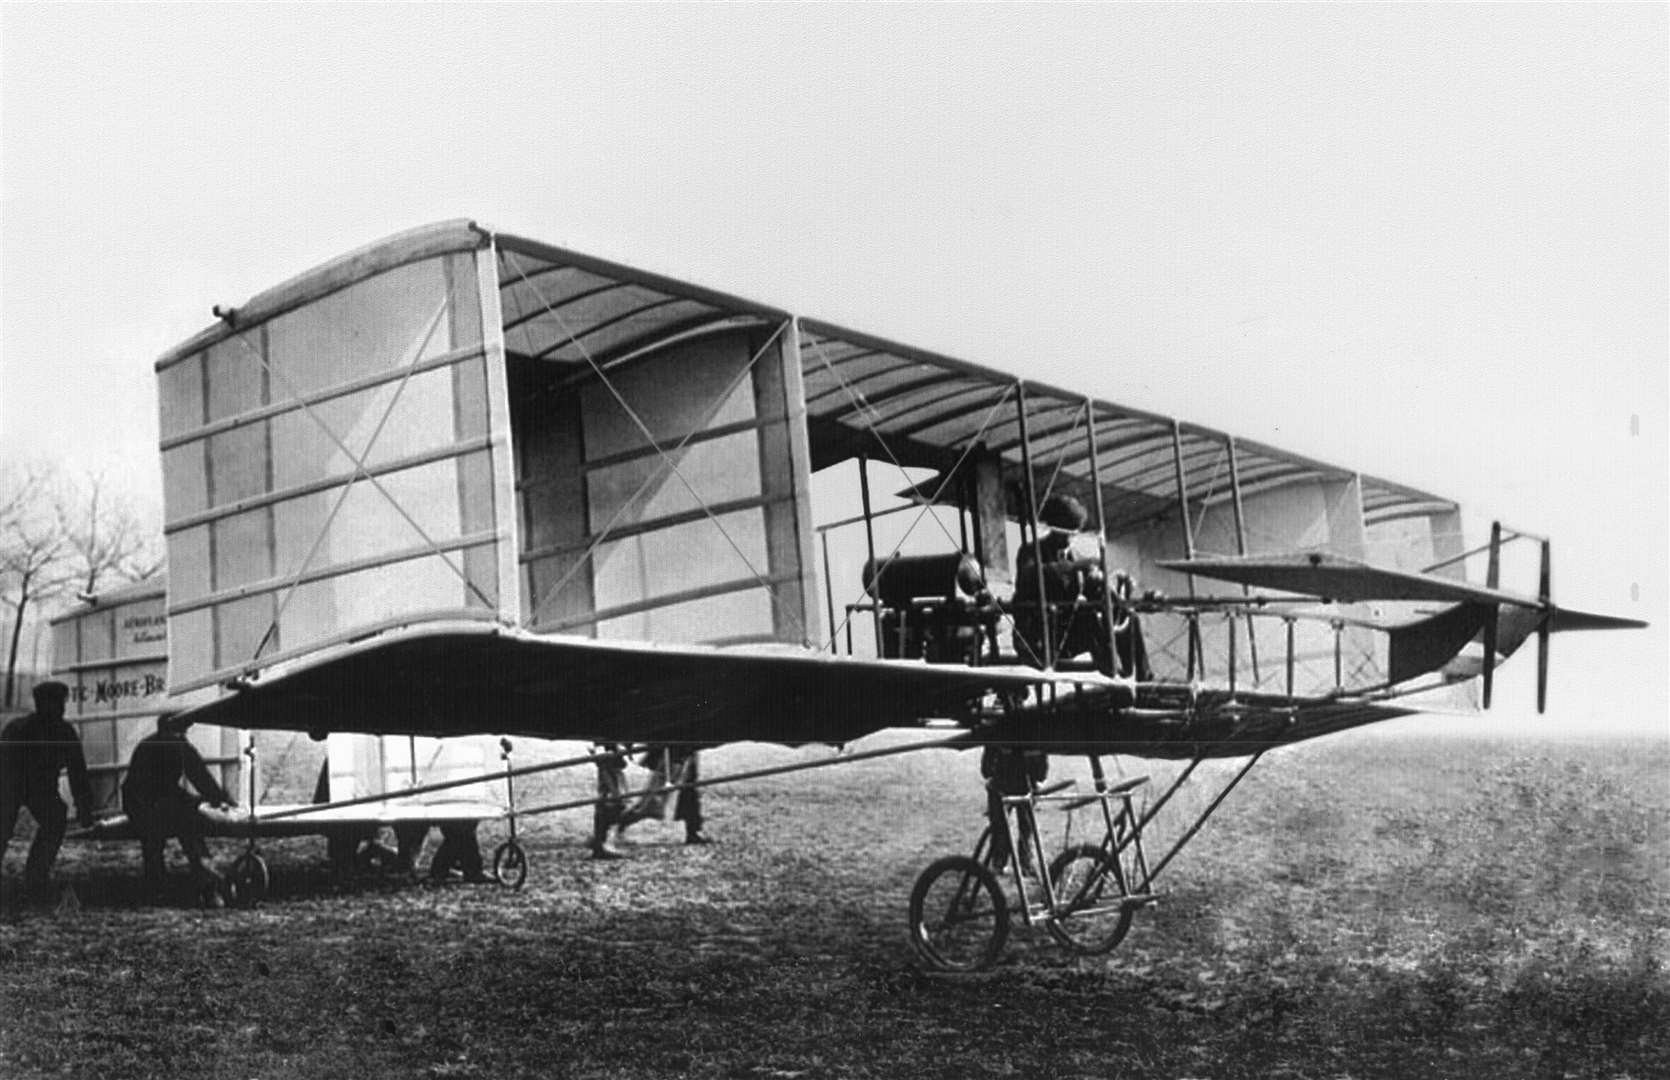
<point>34,750</point>
<point>159,807</point>
<point>672,767</point>
<point>609,810</point>
<point>1011,771</point>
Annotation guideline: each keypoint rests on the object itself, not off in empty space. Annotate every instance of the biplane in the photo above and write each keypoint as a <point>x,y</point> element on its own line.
<point>464,482</point>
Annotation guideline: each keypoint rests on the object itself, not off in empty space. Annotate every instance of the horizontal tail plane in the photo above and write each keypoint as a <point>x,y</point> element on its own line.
<point>1505,620</point>
<point>1332,577</point>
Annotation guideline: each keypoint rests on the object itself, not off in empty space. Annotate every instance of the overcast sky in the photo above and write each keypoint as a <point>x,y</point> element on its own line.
<point>1426,241</point>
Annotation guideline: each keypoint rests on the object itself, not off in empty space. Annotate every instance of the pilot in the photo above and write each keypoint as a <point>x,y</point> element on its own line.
<point>160,807</point>
<point>34,750</point>
<point>1075,581</point>
<point>1071,562</point>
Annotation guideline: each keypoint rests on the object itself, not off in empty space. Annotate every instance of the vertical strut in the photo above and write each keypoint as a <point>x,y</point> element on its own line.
<point>1230,620</point>
<point>1492,576</point>
<point>1339,655</point>
<point>1290,621</point>
<point>870,545</point>
<point>829,595</point>
<point>1241,549</point>
<point>1101,781</point>
<point>1188,542</point>
<point>1032,516</point>
<point>1102,553</point>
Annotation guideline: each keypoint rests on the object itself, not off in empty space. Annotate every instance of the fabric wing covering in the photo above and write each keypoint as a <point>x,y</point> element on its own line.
<point>429,683</point>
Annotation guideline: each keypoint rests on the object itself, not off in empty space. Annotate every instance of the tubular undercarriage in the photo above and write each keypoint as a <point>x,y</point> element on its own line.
<point>960,914</point>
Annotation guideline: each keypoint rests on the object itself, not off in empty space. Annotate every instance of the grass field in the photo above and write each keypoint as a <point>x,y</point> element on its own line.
<point>1369,905</point>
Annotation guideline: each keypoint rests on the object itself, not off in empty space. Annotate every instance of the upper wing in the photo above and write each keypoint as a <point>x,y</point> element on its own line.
<point>469,679</point>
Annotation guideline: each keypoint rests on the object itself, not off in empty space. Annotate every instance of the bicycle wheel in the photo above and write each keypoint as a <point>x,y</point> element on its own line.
<point>959,919</point>
<point>510,865</point>
<point>248,880</point>
<point>1089,916</point>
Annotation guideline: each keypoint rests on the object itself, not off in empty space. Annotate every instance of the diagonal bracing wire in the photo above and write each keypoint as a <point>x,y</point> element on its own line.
<point>602,534</point>
<point>863,408</point>
<point>1218,462</point>
<point>1080,415</point>
<point>666,458</point>
<point>359,471</point>
<point>927,507</point>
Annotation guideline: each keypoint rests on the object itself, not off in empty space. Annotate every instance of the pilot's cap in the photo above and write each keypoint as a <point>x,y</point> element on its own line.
<point>173,720</point>
<point>51,692</point>
<point>1063,512</point>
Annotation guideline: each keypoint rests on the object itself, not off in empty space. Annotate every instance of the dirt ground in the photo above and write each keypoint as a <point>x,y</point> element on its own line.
<point>1370,905</point>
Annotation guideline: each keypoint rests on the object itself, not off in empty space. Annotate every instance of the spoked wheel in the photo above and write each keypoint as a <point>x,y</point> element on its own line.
<point>959,919</point>
<point>248,880</point>
<point>510,865</point>
<point>1090,915</point>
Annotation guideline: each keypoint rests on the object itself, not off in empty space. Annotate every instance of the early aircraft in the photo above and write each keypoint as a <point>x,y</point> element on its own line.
<point>459,481</point>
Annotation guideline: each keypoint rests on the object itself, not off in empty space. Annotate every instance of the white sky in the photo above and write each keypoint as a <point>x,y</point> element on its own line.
<point>1426,241</point>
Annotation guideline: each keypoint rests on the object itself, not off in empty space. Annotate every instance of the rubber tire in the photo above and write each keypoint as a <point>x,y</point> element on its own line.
<point>510,865</point>
<point>988,916</point>
<point>1090,935</point>
<point>249,879</point>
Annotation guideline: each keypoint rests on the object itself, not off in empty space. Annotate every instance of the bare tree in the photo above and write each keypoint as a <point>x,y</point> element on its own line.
<point>56,536</point>
<point>106,537</point>
<point>34,555</point>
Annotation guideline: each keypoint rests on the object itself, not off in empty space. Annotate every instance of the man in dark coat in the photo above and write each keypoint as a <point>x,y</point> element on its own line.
<point>34,750</point>
<point>1069,560</point>
<point>610,809</point>
<point>159,806</point>
<point>459,850</point>
<point>1010,771</point>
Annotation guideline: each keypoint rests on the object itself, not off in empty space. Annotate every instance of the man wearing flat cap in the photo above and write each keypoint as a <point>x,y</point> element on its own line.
<point>34,750</point>
<point>160,807</point>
